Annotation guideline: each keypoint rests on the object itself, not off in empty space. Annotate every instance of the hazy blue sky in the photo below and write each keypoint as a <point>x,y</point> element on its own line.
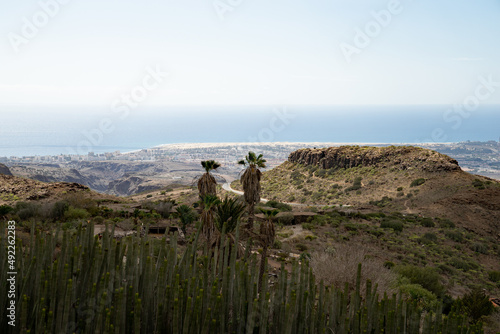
<point>258,52</point>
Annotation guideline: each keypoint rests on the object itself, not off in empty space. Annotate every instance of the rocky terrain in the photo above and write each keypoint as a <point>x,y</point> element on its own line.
<point>405,179</point>
<point>13,189</point>
<point>121,178</point>
<point>400,157</point>
<point>178,164</point>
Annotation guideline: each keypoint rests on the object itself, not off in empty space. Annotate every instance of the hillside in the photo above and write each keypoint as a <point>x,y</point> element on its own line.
<point>4,170</point>
<point>14,189</point>
<point>405,179</point>
<point>120,178</point>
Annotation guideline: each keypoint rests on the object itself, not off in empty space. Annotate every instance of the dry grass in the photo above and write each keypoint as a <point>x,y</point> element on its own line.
<point>339,266</point>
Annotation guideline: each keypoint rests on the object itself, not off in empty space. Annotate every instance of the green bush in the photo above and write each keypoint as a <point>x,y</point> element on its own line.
<point>417,182</point>
<point>377,233</point>
<point>356,185</point>
<point>351,226</point>
<point>301,247</point>
<point>446,223</point>
<point>428,238</point>
<point>494,276</point>
<point>321,220</point>
<point>478,184</point>
<point>308,226</point>
<point>59,209</point>
<point>26,210</point>
<point>5,209</point>
<point>323,173</point>
<point>446,269</point>
<point>455,235</point>
<point>286,218</point>
<point>389,264</point>
<point>74,213</point>
<point>280,206</point>
<point>382,202</point>
<point>394,224</point>
<point>399,189</point>
<point>418,294</point>
<point>476,304</point>
<point>427,277</point>
<point>462,264</point>
<point>479,247</point>
<point>427,222</point>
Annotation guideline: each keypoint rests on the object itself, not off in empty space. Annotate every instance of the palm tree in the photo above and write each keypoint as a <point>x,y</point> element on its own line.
<point>227,217</point>
<point>186,214</point>
<point>267,234</point>
<point>228,213</point>
<point>250,180</point>
<point>209,203</point>
<point>207,183</point>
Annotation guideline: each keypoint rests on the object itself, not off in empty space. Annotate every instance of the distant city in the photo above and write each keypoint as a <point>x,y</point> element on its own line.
<point>476,157</point>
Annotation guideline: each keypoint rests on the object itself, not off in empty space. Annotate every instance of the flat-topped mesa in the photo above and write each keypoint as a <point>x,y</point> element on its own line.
<point>400,157</point>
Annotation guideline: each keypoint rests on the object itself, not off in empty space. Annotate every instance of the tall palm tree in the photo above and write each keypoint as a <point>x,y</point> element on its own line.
<point>266,236</point>
<point>207,183</point>
<point>209,203</point>
<point>250,180</point>
<point>186,214</point>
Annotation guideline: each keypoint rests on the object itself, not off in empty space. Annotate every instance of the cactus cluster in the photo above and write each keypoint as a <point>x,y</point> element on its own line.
<point>78,283</point>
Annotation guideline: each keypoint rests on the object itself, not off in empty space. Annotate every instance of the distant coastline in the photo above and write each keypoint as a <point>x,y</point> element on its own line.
<point>44,131</point>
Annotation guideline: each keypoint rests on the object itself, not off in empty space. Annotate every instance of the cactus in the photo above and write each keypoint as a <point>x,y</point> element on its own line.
<point>146,285</point>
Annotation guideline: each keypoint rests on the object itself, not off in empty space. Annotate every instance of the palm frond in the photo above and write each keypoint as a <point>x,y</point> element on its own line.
<point>228,212</point>
<point>269,213</point>
<point>252,157</point>
<point>210,165</point>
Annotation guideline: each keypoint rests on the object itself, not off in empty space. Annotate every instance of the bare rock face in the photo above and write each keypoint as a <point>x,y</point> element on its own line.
<point>129,185</point>
<point>4,170</point>
<point>400,157</point>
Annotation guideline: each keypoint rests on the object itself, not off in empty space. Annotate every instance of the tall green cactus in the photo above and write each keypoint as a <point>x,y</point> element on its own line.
<point>142,285</point>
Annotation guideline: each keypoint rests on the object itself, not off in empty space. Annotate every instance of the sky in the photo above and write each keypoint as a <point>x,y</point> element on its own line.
<point>248,52</point>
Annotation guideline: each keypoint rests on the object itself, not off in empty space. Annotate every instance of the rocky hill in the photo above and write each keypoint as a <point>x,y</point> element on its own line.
<point>400,157</point>
<point>404,179</point>
<point>121,178</point>
<point>14,189</point>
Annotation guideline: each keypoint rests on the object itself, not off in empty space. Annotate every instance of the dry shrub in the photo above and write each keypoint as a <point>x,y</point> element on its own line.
<point>339,265</point>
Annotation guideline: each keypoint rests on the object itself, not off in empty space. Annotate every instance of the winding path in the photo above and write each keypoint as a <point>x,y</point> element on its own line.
<point>227,187</point>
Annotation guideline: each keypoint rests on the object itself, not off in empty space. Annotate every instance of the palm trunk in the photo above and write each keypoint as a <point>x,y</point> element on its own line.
<point>262,266</point>
<point>251,216</point>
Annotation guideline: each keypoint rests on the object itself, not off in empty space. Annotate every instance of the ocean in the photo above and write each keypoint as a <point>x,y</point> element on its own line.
<point>27,131</point>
